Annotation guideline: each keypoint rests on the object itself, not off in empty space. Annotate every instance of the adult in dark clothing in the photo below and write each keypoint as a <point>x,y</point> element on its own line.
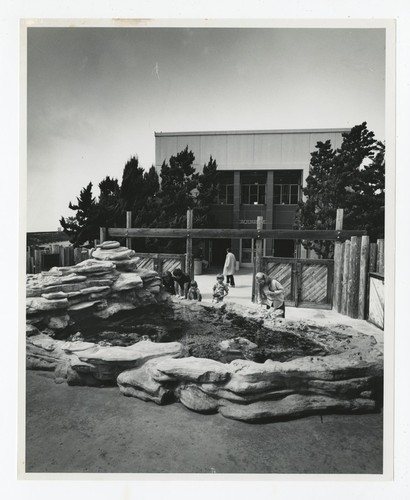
<point>168,282</point>
<point>182,281</point>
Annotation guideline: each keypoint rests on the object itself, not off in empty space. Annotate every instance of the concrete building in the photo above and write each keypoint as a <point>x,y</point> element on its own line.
<point>261,173</point>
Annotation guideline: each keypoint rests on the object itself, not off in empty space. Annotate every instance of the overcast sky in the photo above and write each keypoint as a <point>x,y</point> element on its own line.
<point>97,95</point>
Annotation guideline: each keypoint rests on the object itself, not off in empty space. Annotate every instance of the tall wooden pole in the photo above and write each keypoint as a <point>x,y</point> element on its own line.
<point>103,234</point>
<point>128,225</point>
<point>257,265</point>
<point>364,275</point>
<point>259,245</point>
<point>345,283</point>
<point>380,256</point>
<point>354,278</point>
<point>338,264</point>
<point>189,256</point>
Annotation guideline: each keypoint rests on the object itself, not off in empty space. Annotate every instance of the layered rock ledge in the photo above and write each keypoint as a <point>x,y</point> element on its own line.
<point>99,287</point>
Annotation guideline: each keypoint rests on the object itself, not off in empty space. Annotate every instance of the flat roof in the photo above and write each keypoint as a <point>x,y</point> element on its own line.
<point>245,132</point>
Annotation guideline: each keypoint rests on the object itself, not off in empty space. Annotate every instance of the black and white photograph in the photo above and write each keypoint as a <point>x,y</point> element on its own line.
<point>207,266</point>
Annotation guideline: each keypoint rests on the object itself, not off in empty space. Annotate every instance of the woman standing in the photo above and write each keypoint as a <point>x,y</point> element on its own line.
<point>229,267</point>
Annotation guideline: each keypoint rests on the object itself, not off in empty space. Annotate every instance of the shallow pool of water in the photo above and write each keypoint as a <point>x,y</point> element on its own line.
<point>199,332</point>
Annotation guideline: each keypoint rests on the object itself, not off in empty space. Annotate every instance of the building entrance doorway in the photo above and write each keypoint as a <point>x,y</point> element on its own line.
<point>284,248</point>
<point>218,251</point>
<point>247,251</point>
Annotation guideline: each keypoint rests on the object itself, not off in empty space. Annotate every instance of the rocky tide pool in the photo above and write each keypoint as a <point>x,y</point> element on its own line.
<point>106,322</point>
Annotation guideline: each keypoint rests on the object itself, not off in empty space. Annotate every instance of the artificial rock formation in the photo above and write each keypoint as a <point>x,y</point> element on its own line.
<point>243,390</point>
<point>347,379</point>
<point>107,283</point>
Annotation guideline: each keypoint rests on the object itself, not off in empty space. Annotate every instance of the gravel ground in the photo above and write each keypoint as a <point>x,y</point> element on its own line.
<point>89,430</point>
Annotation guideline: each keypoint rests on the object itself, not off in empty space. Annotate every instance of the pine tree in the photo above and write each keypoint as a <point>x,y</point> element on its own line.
<point>207,193</point>
<point>350,177</point>
<point>109,213</point>
<point>83,226</point>
<point>131,186</point>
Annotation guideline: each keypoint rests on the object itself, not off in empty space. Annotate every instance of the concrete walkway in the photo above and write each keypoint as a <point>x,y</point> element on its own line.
<point>242,294</point>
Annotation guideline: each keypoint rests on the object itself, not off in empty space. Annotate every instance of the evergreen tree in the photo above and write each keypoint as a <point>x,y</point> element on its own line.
<point>207,193</point>
<point>350,177</point>
<point>131,186</point>
<point>109,214</point>
<point>83,226</point>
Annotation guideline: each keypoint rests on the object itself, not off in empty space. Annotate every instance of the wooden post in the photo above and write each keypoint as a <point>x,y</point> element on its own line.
<point>77,255</point>
<point>28,266</point>
<point>70,252</point>
<point>346,260</point>
<point>61,258</point>
<point>85,254</point>
<point>364,275</point>
<point>103,234</point>
<point>373,258</point>
<point>380,257</point>
<point>354,278</point>
<point>338,263</point>
<point>259,245</point>
<point>257,265</point>
<point>189,256</point>
<point>128,225</point>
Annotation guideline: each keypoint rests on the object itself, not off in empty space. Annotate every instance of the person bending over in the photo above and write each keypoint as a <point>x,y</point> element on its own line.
<point>182,281</point>
<point>270,293</point>
<point>193,291</point>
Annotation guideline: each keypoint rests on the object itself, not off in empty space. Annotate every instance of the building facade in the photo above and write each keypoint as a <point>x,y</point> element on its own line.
<point>260,173</point>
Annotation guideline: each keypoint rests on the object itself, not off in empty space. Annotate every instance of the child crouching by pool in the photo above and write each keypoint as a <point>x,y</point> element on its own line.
<point>193,291</point>
<point>219,289</point>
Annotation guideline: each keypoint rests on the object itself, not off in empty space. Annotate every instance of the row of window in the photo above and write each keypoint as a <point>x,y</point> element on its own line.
<point>254,194</point>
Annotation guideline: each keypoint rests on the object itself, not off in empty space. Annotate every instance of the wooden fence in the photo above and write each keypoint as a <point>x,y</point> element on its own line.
<point>44,258</point>
<point>161,262</point>
<point>355,260</point>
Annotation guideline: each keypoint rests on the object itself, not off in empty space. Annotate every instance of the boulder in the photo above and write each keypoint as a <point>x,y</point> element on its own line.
<point>83,305</point>
<point>36,304</point>
<point>31,330</point>
<point>58,322</point>
<point>109,245</point>
<point>193,370</point>
<point>127,281</point>
<point>55,295</point>
<point>129,265</point>
<point>195,399</point>
<point>113,308</point>
<point>138,383</point>
<point>91,266</point>
<point>78,346</point>
<point>131,356</point>
<point>294,406</point>
<point>120,253</point>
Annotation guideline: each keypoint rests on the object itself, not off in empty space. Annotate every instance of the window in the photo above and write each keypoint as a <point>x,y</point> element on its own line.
<point>225,194</point>
<point>286,194</point>
<point>286,187</point>
<point>253,194</point>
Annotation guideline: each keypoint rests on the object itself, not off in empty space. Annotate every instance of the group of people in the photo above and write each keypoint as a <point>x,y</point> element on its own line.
<point>269,292</point>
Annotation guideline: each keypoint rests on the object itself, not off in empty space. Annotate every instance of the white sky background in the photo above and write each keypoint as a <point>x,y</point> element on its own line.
<point>96,95</point>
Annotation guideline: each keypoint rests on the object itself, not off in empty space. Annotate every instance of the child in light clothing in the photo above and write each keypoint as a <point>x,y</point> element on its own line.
<point>219,289</point>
